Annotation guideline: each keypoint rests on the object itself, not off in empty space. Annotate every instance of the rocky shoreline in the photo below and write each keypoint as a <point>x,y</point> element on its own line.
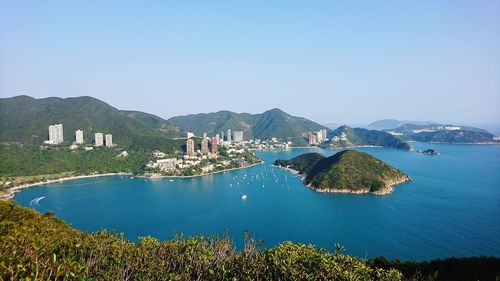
<point>388,189</point>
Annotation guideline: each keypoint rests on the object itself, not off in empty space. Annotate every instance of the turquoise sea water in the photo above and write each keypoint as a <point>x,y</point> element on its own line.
<point>452,207</point>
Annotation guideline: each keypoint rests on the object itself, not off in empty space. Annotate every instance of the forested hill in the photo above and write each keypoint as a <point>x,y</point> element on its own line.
<point>25,119</point>
<point>272,123</point>
<point>345,136</point>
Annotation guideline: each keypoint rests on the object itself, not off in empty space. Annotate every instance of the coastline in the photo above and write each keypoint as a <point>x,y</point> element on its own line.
<point>11,191</point>
<point>383,191</point>
<point>207,174</point>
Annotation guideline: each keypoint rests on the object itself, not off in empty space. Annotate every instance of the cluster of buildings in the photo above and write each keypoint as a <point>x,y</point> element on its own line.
<point>231,137</point>
<point>56,136</point>
<point>318,137</point>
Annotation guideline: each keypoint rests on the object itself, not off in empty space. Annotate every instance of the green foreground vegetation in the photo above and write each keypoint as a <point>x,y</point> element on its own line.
<point>41,247</point>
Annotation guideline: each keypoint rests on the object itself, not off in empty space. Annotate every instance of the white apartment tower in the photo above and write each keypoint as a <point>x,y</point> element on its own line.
<point>109,140</point>
<point>79,136</point>
<point>238,136</point>
<point>228,135</point>
<point>99,139</point>
<point>56,134</point>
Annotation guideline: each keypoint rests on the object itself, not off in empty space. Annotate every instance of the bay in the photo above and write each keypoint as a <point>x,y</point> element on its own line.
<point>451,208</point>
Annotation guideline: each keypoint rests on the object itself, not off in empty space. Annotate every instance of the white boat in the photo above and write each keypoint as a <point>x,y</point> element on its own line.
<point>243,197</point>
<point>171,180</point>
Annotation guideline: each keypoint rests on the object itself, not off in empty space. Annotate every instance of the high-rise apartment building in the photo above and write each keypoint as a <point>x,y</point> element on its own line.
<point>56,134</point>
<point>204,146</point>
<point>79,136</point>
<point>109,140</point>
<point>190,147</point>
<point>99,139</point>
<point>238,136</point>
<point>229,135</point>
<point>214,144</point>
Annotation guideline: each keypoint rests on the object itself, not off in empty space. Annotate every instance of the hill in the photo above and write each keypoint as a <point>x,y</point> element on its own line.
<point>457,136</point>
<point>272,123</point>
<point>411,129</point>
<point>348,171</point>
<point>387,124</point>
<point>345,136</point>
<point>26,119</point>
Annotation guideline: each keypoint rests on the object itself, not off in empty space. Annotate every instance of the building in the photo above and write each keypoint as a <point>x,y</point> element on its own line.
<point>190,147</point>
<point>214,145</point>
<point>238,136</point>
<point>324,134</point>
<point>109,140</point>
<point>229,135</point>
<point>217,136</point>
<point>319,136</point>
<point>189,135</point>
<point>204,146</point>
<point>99,139</point>
<point>313,138</point>
<point>204,135</point>
<point>79,136</point>
<point>56,134</point>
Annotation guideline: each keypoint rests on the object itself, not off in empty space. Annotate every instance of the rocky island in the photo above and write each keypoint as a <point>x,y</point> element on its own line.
<point>348,171</point>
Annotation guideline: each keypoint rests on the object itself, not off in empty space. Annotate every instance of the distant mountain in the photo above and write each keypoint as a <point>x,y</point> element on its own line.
<point>455,136</point>
<point>345,136</point>
<point>348,171</point>
<point>24,119</point>
<point>387,124</point>
<point>411,129</point>
<point>272,123</point>
<point>332,126</point>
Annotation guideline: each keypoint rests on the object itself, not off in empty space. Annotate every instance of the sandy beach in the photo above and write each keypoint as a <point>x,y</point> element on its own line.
<point>9,193</point>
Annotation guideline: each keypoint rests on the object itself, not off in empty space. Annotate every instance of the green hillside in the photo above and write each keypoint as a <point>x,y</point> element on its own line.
<point>361,137</point>
<point>302,163</point>
<point>154,122</point>
<point>458,136</point>
<point>26,119</point>
<point>272,123</point>
<point>348,170</point>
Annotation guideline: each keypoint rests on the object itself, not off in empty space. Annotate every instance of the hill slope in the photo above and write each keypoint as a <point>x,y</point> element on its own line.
<point>272,123</point>
<point>345,136</point>
<point>458,136</point>
<point>387,124</point>
<point>348,171</point>
<point>24,119</point>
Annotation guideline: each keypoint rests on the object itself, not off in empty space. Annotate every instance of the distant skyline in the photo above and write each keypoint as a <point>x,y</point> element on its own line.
<point>344,62</point>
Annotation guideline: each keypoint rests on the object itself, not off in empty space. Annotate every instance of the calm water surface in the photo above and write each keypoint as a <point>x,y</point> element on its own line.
<point>452,207</point>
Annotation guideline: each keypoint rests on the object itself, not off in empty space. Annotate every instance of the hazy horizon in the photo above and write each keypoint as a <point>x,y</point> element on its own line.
<point>347,63</point>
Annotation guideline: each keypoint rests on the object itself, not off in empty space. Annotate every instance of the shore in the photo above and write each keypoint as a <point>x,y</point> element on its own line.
<point>9,193</point>
<point>207,174</point>
<point>383,191</point>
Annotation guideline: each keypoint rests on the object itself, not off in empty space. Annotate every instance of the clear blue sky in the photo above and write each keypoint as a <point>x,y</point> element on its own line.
<point>330,61</point>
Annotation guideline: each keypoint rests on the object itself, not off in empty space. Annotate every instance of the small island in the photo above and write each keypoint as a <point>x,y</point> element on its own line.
<point>430,151</point>
<point>348,171</point>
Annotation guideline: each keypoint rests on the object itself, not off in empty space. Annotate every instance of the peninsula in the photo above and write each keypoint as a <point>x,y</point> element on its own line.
<point>348,171</point>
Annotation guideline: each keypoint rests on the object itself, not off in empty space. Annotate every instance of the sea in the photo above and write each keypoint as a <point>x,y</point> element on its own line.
<point>450,208</point>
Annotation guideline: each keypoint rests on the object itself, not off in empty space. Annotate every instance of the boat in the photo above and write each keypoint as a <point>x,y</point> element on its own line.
<point>243,197</point>
<point>171,180</point>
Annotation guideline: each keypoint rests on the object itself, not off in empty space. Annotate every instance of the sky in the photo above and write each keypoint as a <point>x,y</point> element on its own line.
<point>329,61</point>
